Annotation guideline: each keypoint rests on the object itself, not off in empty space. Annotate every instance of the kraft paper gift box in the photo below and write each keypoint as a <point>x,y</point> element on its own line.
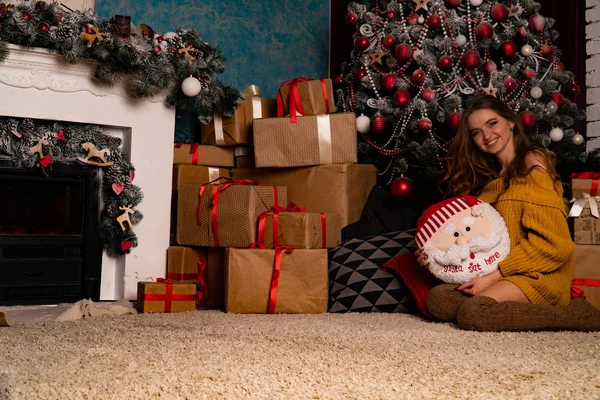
<point>224,215</point>
<point>302,284</point>
<point>245,162</point>
<point>311,97</point>
<point>165,296</point>
<point>586,225</point>
<point>188,264</point>
<point>587,272</point>
<point>312,140</point>
<point>302,230</point>
<point>197,154</point>
<point>336,188</point>
<point>237,129</point>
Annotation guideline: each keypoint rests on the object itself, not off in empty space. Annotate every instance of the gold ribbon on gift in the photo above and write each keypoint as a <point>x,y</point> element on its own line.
<point>251,90</point>
<point>324,131</point>
<point>218,121</point>
<point>580,203</point>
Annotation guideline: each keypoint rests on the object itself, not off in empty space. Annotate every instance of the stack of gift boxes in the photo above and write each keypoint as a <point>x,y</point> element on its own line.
<point>253,239</point>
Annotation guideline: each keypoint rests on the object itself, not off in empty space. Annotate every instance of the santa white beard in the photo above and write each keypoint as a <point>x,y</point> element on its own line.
<point>479,257</point>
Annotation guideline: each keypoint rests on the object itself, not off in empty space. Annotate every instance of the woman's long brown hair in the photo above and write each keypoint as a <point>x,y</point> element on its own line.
<point>469,169</point>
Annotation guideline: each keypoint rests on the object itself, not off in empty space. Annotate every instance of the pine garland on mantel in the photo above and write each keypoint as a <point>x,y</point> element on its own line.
<point>154,63</point>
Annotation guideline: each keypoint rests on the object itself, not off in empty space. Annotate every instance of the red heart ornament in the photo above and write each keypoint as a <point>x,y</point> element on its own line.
<point>125,245</point>
<point>117,188</point>
<point>131,175</point>
<point>46,161</point>
<point>60,135</point>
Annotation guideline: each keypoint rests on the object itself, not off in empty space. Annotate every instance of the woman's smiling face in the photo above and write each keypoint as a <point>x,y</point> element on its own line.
<point>491,133</point>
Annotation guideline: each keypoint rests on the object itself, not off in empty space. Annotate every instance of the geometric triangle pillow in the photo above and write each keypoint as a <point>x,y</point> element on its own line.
<point>357,283</point>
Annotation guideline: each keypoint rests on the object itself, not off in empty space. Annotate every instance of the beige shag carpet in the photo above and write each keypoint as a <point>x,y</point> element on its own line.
<point>214,355</point>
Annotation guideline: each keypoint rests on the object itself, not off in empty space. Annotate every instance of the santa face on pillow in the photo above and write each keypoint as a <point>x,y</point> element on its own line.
<point>463,238</point>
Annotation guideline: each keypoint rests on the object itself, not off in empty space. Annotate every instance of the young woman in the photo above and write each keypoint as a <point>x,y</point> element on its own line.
<point>491,158</point>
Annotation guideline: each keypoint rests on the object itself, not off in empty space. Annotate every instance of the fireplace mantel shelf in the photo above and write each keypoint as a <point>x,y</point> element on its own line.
<point>38,83</point>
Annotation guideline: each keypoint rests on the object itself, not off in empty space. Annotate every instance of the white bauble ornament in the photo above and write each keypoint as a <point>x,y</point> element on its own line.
<point>169,35</point>
<point>556,134</point>
<point>417,55</point>
<point>363,124</point>
<point>536,92</point>
<point>476,3</point>
<point>421,19</point>
<point>577,139</point>
<point>461,40</point>
<point>551,107</point>
<point>191,86</point>
<point>527,50</point>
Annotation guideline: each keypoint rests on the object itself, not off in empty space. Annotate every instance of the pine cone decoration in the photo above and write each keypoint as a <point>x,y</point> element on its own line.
<point>26,126</point>
<point>112,210</point>
<point>64,33</point>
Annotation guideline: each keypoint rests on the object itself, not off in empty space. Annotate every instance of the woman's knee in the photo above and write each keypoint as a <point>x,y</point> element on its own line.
<point>443,302</point>
<point>473,316</point>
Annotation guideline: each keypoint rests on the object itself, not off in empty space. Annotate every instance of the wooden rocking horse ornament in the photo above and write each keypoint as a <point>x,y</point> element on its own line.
<point>92,152</point>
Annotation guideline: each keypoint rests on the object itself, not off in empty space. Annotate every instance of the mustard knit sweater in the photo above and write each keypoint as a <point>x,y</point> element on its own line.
<point>541,261</point>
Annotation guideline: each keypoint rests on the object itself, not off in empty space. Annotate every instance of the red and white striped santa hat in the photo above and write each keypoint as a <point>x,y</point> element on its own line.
<point>436,215</point>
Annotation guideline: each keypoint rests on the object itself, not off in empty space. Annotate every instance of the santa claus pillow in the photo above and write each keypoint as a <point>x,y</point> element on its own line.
<point>463,237</point>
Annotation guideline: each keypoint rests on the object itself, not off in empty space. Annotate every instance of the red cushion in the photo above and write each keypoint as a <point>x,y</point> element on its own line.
<point>417,278</point>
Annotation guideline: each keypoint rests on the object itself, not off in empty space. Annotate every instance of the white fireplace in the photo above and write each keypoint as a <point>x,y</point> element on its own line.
<point>38,84</point>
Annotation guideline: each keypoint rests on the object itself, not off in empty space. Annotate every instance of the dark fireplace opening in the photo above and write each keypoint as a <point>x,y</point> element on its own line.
<point>50,250</point>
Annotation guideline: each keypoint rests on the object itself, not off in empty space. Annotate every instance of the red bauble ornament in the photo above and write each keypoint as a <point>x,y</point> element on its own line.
<point>489,67</point>
<point>546,50</point>
<point>428,94</point>
<point>471,59</point>
<point>403,52</point>
<point>339,80</point>
<point>156,50</point>
<point>58,17</point>
<point>453,120</point>
<point>360,73</point>
<point>434,22</point>
<point>484,30</point>
<point>424,124</point>
<point>26,16</point>
<point>401,188</point>
<point>401,98</point>
<point>528,119</point>
<point>575,89</point>
<point>537,22</point>
<point>445,62</point>
<point>388,81</point>
<point>362,42</point>
<point>499,12</point>
<point>522,32</point>
<point>391,14</point>
<point>378,124</point>
<point>419,75</point>
<point>508,49</point>
<point>351,18</point>
<point>529,73</point>
<point>388,42</point>
<point>558,98</point>
<point>44,27</point>
<point>172,50</point>
<point>452,3</point>
<point>560,66</point>
<point>88,29</point>
<point>40,4</point>
<point>412,19</point>
<point>510,84</point>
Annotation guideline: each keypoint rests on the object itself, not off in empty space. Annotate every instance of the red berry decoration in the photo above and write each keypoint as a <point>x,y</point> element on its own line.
<point>156,50</point>
<point>522,32</point>
<point>360,73</point>
<point>428,94</point>
<point>453,3</point>
<point>510,84</point>
<point>44,27</point>
<point>362,42</point>
<point>484,30</point>
<point>546,50</point>
<point>434,22</point>
<point>412,19</point>
<point>529,73</point>
<point>528,119</point>
<point>388,81</point>
<point>172,50</point>
<point>40,4</point>
<point>401,188</point>
<point>489,67</point>
<point>58,17</point>
<point>26,16</point>
<point>388,41</point>
<point>391,14</point>
<point>558,98</point>
<point>419,75</point>
<point>560,66</point>
<point>508,49</point>
<point>575,89</point>
<point>378,124</point>
<point>445,62</point>
<point>160,39</point>
<point>351,18</point>
<point>339,80</point>
<point>401,98</point>
<point>537,23</point>
<point>453,120</point>
<point>499,12</point>
<point>403,52</point>
<point>471,59</point>
<point>424,124</point>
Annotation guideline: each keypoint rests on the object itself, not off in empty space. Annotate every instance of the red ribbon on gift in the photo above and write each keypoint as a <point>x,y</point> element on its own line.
<point>193,151</point>
<point>594,176</point>
<point>578,292</point>
<point>294,98</point>
<point>202,282</point>
<point>168,297</point>
<point>275,280</point>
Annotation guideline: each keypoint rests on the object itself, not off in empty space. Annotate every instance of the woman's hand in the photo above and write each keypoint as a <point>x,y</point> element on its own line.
<point>479,284</point>
<point>422,259</point>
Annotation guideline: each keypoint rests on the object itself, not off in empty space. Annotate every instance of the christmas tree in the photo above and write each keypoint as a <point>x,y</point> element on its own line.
<point>417,64</point>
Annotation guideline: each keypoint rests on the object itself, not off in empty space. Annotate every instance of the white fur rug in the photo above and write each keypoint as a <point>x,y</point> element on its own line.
<point>211,355</point>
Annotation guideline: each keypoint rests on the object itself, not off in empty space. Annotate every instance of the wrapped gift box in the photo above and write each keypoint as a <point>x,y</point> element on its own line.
<point>197,154</point>
<point>227,218</point>
<point>237,129</point>
<point>187,264</point>
<point>587,272</point>
<point>165,297</point>
<point>302,281</point>
<point>315,97</point>
<point>301,230</point>
<point>312,140</point>
<point>337,188</point>
<point>245,162</point>
<point>586,227</point>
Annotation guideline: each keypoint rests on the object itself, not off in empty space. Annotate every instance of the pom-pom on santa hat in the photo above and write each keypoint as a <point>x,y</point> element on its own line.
<point>436,215</point>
